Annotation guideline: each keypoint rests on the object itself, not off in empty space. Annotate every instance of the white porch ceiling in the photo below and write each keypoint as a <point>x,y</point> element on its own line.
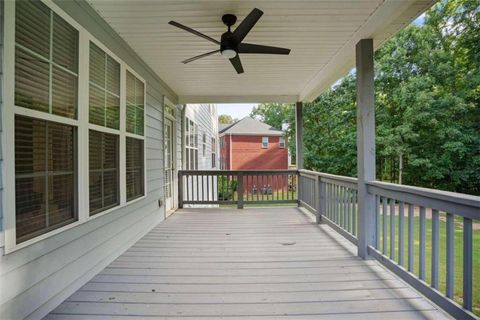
<point>321,33</point>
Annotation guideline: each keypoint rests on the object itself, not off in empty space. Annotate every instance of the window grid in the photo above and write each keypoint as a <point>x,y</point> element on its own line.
<point>191,145</point>
<point>51,63</point>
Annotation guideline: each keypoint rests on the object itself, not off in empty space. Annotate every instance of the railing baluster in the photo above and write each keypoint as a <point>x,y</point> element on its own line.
<point>355,212</point>
<point>345,212</point>
<point>435,247</point>
<point>411,255</point>
<point>450,273</point>
<point>421,266</point>
<point>401,234</point>
<point>392,229</point>
<point>467,263</point>
<point>384,225</point>
<point>377,221</point>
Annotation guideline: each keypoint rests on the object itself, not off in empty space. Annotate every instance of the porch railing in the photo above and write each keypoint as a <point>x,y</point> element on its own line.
<point>235,187</point>
<point>425,236</point>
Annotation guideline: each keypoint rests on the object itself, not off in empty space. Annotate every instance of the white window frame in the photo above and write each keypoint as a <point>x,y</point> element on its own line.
<point>82,125</point>
<point>281,142</point>
<point>191,136</point>
<point>265,144</point>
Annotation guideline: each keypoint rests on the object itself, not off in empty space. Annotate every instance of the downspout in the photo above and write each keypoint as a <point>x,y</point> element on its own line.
<point>230,152</point>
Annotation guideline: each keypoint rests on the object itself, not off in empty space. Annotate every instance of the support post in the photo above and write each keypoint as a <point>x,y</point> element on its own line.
<point>299,134</point>
<point>240,191</point>
<point>365,144</point>
<point>320,198</point>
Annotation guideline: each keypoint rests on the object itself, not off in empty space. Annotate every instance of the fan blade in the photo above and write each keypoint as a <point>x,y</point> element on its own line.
<point>200,56</point>
<point>181,26</point>
<point>237,64</point>
<point>247,24</point>
<point>256,48</point>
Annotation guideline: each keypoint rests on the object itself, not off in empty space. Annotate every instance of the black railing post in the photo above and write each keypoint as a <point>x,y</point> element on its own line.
<point>180,189</point>
<point>240,191</point>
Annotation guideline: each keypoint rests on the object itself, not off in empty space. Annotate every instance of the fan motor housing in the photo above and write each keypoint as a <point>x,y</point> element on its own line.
<point>228,41</point>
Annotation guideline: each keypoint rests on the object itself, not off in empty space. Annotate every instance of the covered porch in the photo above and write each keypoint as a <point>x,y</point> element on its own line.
<point>257,263</point>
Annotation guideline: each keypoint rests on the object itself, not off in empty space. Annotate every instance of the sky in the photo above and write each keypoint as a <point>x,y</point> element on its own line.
<point>236,110</point>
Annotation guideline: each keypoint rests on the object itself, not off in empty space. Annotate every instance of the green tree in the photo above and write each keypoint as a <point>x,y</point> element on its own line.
<point>225,119</point>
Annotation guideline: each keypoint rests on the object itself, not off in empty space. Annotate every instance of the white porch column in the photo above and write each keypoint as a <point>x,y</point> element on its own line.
<point>365,144</point>
<point>299,134</point>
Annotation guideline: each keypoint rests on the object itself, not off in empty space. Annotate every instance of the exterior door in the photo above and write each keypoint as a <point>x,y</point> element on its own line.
<point>169,166</point>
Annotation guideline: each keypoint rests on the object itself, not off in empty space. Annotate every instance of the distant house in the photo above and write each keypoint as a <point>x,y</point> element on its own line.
<point>249,144</point>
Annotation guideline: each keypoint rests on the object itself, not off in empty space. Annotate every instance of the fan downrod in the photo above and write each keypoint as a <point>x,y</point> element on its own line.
<point>229,19</point>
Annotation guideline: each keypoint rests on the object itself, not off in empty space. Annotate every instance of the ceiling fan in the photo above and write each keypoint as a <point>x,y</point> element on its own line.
<point>231,42</point>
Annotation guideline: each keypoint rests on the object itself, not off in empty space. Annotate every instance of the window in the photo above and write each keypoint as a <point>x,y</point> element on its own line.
<point>282,142</point>
<point>134,142</point>
<point>104,112</point>
<point>46,66</point>
<point>104,95</point>
<point>264,142</point>
<point>104,171</point>
<point>46,61</point>
<point>49,134</point>
<point>135,104</point>
<point>214,152</point>
<point>191,145</point>
<point>44,176</point>
<point>135,168</point>
<point>204,144</point>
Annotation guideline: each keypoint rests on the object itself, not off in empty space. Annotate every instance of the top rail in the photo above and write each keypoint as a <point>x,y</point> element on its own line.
<point>461,204</point>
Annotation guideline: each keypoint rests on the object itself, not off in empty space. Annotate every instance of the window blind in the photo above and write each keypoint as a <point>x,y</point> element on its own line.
<point>104,171</point>
<point>134,168</point>
<point>104,100</point>
<point>135,105</point>
<point>46,60</point>
<point>44,176</point>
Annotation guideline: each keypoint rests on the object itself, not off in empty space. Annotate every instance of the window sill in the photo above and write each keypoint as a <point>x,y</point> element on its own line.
<point>54,232</point>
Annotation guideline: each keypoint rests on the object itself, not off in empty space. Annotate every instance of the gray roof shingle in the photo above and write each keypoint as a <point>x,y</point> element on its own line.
<point>250,126</point>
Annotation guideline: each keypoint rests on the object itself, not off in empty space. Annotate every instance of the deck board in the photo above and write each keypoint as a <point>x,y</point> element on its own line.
<point>249,264</point>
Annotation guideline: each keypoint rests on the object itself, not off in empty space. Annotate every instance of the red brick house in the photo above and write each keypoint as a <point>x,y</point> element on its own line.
<point>249,144</point>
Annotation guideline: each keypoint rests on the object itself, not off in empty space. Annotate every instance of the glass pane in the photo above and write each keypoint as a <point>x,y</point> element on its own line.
<point>130,88</point>
<point>135,179</point>
<point>31,81</point>
<point>113,111</point>
<point>131,118</point>
<point>65,44</point>
<point>44,194</point>
<point>104,185</point>
<point>110,146</point>
<point>61,198</point>
<point>139,93</point>
<point>97,106</point>
<point>30,139</point>
<point>30,206</point>
<point>32,26</point>
<point>110,188</point>
<point>95,191</point>
<point>113,76</point>
<point>139,121</point>
<point>64,93</point>
<point>95,150</point>
<point>97,65</point>
<point>134,184</point>
<point>61,148</point>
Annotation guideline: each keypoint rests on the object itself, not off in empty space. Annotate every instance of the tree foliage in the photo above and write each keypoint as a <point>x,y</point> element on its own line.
<point>427,87</point>
<point>225,119</point>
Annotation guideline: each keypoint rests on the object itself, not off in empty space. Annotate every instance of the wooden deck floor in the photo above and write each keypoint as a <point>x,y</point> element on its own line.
<point>251,264</point>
